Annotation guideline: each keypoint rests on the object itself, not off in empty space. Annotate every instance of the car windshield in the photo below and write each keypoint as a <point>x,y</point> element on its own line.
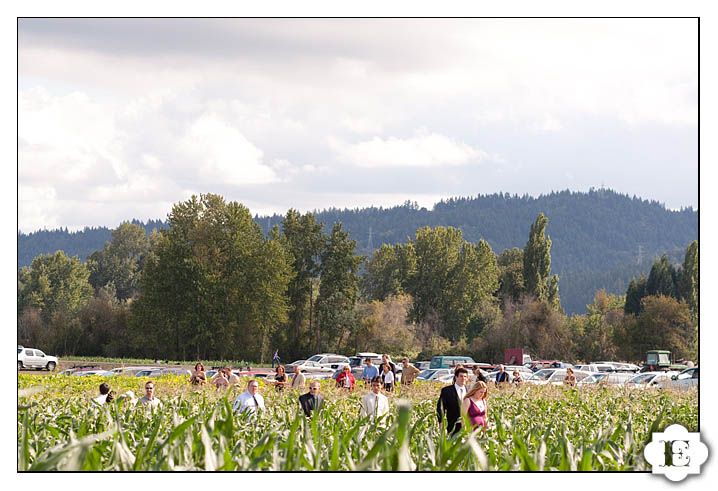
<point>19,350</point>
<point>354,362</point>
<point>144,373</point>
<point>316,358</point>
<point>684,375</point>
<point>426,374</point>
<point>542,374</point>
<point>642,379</point>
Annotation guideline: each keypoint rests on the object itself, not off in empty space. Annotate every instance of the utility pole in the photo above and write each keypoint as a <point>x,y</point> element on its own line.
<point>640,254</point>
<point>370,242</point>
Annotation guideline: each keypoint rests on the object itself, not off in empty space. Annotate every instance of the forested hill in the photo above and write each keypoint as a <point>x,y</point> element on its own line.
<point>81,243</point>
<point>600,239</point>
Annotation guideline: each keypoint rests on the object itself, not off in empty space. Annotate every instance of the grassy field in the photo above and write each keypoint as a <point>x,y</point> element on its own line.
<point>530,428</point>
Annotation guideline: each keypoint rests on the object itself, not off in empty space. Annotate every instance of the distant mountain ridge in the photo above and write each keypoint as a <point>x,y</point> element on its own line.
<point>600,238</point>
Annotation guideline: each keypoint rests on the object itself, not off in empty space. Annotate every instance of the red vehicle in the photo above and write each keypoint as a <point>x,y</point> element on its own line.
<point>516,356</point>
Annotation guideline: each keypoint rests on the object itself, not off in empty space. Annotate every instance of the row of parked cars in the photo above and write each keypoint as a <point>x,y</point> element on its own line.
<point>127,371</point>
<point>631,380</point>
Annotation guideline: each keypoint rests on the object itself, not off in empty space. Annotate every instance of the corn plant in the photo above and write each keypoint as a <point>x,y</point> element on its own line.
<point>530,428</point>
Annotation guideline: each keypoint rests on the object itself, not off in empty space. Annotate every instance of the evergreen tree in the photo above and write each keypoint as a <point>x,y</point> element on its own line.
<point>663,279</point>
<point>636,291</point>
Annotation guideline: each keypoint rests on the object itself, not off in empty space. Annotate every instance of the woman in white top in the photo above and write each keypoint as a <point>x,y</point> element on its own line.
<point>388,377</point>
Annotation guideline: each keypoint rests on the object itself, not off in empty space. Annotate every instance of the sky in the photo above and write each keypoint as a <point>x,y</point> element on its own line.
<point>122,118</point>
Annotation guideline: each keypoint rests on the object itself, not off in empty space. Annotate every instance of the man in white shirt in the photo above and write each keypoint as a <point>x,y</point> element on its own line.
<point>149,398</point>
<point>298,379</point>
<point>251,400</point>
<point>374,404</point>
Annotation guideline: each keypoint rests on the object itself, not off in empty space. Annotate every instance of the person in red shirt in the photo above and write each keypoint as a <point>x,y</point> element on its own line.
<point>345,379</point>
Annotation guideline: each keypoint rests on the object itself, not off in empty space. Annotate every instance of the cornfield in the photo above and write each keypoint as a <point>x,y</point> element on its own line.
<point>530,428</point>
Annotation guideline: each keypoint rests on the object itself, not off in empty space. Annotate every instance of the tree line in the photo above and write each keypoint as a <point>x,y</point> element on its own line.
<point>214,285</point>
<point>601,238</point>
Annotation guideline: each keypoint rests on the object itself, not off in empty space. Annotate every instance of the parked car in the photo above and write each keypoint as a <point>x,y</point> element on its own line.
<point>648,380</point>
<point>618,366</point>
<point>84,373</point>
<point>596,367</point>
<point>683,380</point>
<point>306,366</point>
<point>128,371</point>
<point>262,373</point>
<point>422,365</point>
<point>626,367</point>
<point>434,374</point>
<point>607,378</point>
<point>159,372</point>
<point>34,358</point>
<point>449,361</point>
<point>554,376</point>
<point>330,360</point>
<point>537,365</point>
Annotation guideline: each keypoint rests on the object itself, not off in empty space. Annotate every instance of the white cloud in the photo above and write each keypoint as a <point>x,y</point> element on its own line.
<point>422,150</point>
<point>223,153</point>
<point>139,111</point>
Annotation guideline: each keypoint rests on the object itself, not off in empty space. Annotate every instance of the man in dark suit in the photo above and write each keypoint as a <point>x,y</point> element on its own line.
<point>501,376</point>
<point>311,401</point>
<point>450,401</point>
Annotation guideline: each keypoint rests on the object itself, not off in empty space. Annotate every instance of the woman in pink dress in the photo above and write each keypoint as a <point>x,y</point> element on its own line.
<point>474,405</point>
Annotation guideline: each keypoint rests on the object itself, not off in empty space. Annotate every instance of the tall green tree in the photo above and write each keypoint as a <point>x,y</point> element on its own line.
<point>597,339</point>
<point>57,288</point>
<point>537,265</point>
<point>664,323</point>
<point>383,275</point>
<point>663,279</point>
<point>338,290</point>
<point>689,280</point>
<point>120,261</point>
<point>636,291</point>
<point>305,239</point>
<point>449,279</point>
<point>511,274</point>
<point>213,285</point>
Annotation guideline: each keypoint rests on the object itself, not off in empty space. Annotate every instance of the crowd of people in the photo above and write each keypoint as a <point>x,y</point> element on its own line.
<point>455,400</point>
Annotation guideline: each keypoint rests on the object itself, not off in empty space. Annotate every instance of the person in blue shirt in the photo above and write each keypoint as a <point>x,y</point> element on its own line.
<point>370,371</point>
